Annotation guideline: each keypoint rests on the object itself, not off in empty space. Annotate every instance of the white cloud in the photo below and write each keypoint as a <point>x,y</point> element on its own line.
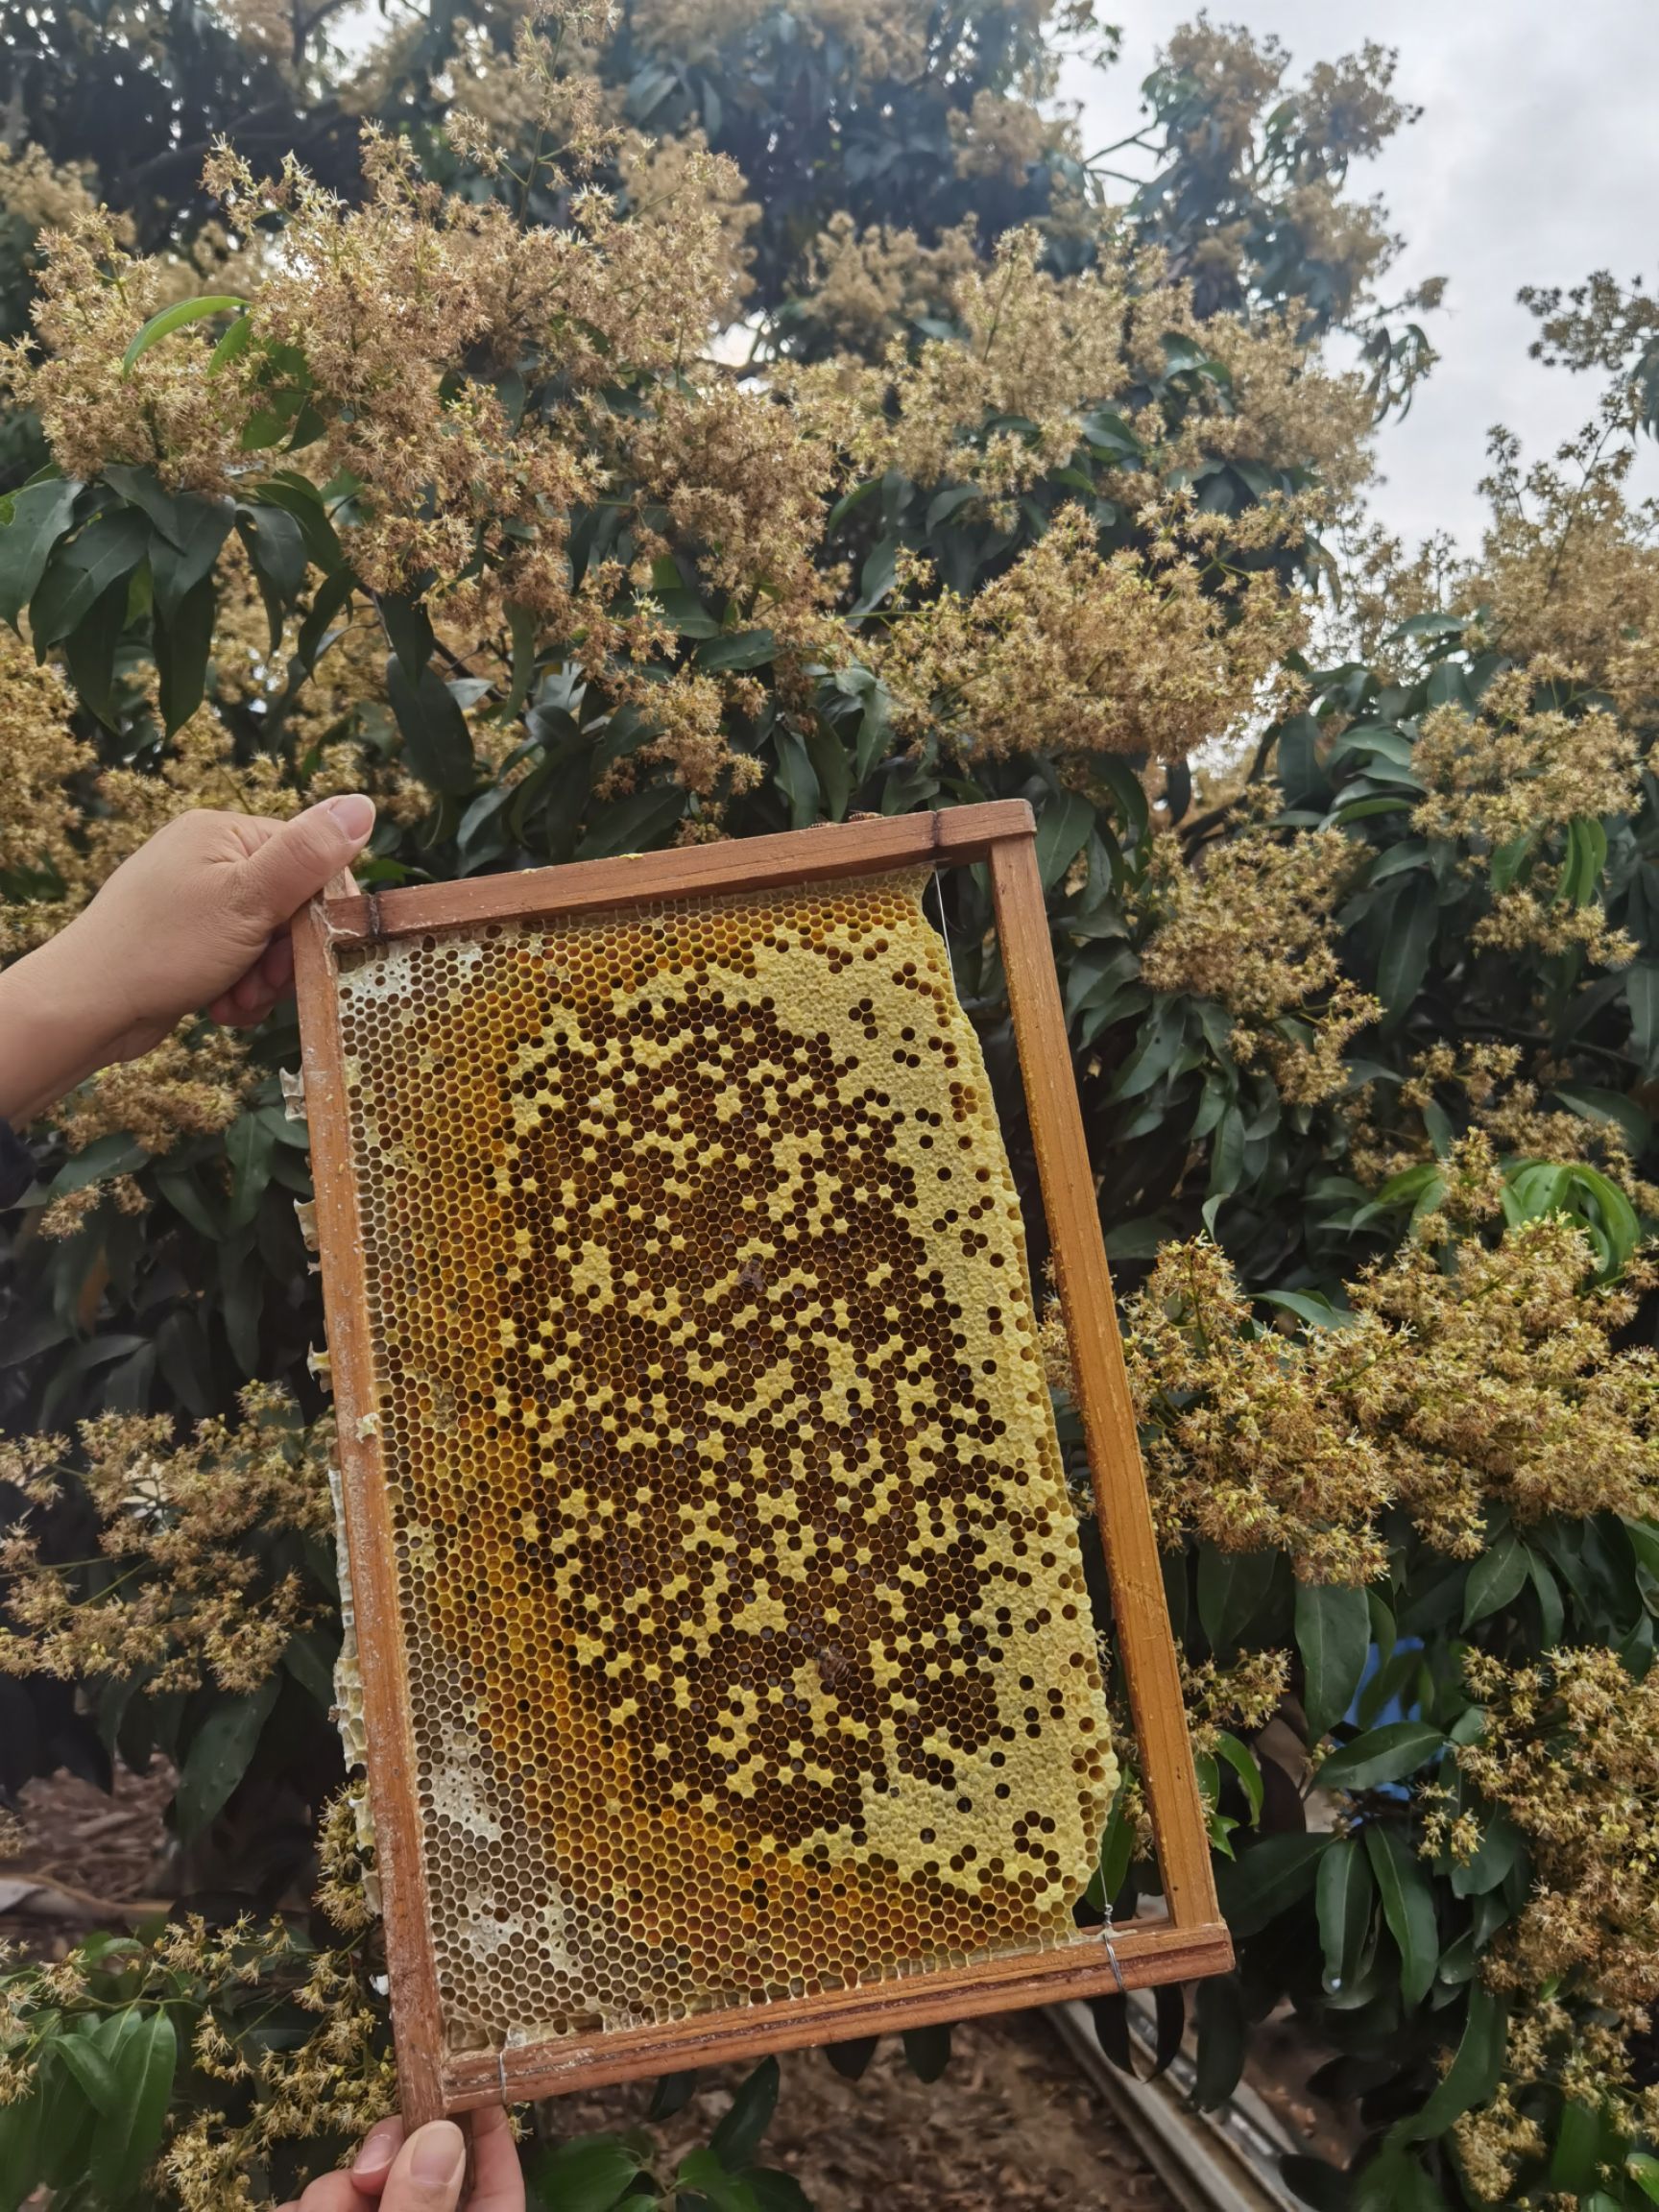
<point>1536,160</point>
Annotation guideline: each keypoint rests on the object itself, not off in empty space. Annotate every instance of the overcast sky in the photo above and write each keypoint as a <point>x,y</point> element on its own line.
<point>1536,160</point>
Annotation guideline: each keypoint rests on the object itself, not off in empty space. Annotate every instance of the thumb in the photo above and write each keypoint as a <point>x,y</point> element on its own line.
<point>297,859</point>
<point>426,2177</point>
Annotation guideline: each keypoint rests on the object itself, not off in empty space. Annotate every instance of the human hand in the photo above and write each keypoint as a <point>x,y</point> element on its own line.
<point>424,2172</point>
<point>195,918</point>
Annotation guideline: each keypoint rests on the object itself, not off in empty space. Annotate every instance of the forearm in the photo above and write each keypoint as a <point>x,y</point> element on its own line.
<point>54,1032</point>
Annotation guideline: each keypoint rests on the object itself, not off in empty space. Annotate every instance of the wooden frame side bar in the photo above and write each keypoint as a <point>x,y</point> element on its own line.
<point>950,837</point>
<point>1122,1509</point>
<point>417,2018</point>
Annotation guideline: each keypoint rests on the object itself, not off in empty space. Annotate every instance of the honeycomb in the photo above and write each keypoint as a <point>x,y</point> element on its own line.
<point>747,1639</point>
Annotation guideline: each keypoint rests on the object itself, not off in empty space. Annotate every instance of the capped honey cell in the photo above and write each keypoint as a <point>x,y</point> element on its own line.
<point>744,1624</point>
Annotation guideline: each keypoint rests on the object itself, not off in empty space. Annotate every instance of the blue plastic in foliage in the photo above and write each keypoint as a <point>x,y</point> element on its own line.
<point>1396,1708</point>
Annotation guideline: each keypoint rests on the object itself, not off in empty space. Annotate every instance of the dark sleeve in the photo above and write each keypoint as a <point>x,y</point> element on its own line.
<point>17,1166</point>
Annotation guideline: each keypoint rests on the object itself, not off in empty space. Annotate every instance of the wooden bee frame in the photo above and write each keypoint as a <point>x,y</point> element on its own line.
<point>1191,1940</point>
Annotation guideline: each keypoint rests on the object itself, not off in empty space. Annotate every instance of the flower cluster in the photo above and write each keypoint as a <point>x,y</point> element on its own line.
<point>1254,926</point>
<point>292,2038</point>
<point>194,1531</point>
<point>1570,1752</point>
<point>1489,1381</point>
<point>1511,768</point>
<point>1073,653</point>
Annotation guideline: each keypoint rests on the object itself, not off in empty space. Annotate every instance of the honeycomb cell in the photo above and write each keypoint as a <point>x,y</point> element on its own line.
<point>747,1641</point>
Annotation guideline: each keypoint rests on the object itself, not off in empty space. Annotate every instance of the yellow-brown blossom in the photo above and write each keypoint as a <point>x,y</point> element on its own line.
<point>1253,926</point>
<point>198,1598</point>
<point>1070,653</point>
<point>1490,1380</point>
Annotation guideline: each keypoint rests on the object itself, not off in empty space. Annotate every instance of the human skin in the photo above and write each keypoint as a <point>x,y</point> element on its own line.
<point>197,919</point>
<point>425,2172</point>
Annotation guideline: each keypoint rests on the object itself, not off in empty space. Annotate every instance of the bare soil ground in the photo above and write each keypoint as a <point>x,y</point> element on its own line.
<point>1010,2123</point>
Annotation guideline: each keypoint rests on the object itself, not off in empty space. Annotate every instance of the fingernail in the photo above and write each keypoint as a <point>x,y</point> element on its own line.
<point>379,2148</point>
<point>354,815</point>
<point>436,2154</point>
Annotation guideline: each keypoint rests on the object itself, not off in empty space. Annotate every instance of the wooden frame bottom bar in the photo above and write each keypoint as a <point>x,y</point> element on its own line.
<point>1148,1952</point>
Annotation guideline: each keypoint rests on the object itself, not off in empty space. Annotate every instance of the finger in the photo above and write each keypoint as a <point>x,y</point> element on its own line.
<point>230,1012</point>
<point>374,2160</point>
<point>329,2193</point>
<point>296,861</point>
<point>497,2178</point>
<point>426,2174</point>
<point>277,965</point>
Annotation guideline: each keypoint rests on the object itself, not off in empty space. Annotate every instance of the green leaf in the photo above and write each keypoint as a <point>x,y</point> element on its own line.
<point>38,516</point>
<point>1233,1587</point>
<point>20,2148</point>
<point>82,571</point>
<point>1585,858</point>
<point>309,1657</point>
<point>91,2069</point>
<point>1266,1879</point>
<point>332,595</point>
<point>184,642</point>
<point>248,1143</point>
<point>1385,1754</point>
<point>233,343</point>
<point>177,569</point>
<point>589,2174</point>
<point>1408,1907</point>
<point>1577,2144</point>
<point>1642,994</point>
<point>632,825</point>
<point>117,1154</point>
<point>1404,962</point>
<point>1501,1848</point>
<point>175,318</point>
<point>1333,1636</point>
<point>1495,1579</point>
<point>1345,1894</point>
<point>1243,1763</point>
<point>277,551</point>
<point>1063,830</point>
<point>300,499</point>
<point>927,2051</point>
<point>142,2052</point>
<point>702,2171</point>
<point>436,739</point>
<point>737,2139</point>
<point>408,631</point>
<point>776,2192</point>
<point>1644,2171</point>
<point>738,649</point>
<point>1309,1308</point>
<point>1117,1851</point>
<point>797,778</point>
<point>521,628</point>
<point>89,652</point>
<point>1474,2074</point>
<point>832,769</point>
<point>218,1756</point>
<point>876,579</point>
<point>851,2058</point>
<point>1222,2037</point>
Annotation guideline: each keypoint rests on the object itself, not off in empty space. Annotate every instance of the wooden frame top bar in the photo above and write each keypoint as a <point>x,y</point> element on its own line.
<point>951,838</point>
